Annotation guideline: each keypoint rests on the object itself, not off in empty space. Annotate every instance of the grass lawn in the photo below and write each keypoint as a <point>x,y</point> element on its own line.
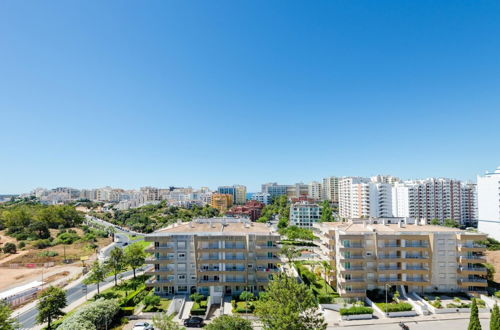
<point>242,307</point>
<point>162,307</point>
<point>143,244</point>
<point>134,237</point>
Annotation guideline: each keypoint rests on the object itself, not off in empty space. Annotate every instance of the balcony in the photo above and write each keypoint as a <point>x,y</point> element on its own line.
<point>389,269</point>
<point>154,282</point>
<point>476,282</point>
<point>352,280</point>
<point>352,257</point>
<point>472,259</point>
<point>159,260</point>
<point>473,270</point>
<point>471,247</point>
<point>351,246</point>
<point>160,249</point>
<point>352,293</point>
<point>416,257</point>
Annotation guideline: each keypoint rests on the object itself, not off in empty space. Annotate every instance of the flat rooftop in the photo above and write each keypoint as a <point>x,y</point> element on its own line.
<point>360,228</point>
<point>216,226</point>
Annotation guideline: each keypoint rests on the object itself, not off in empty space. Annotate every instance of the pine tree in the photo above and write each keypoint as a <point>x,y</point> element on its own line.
<point>474,323</point>
<point>495,318</point>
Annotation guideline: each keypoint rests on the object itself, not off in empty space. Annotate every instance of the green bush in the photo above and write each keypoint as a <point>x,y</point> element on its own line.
<point>356,310</point>
<point>391,307</point>
<point>196,297</point>
<point>327,298</point>
<point>127,311</point>
<point>9,248</point>
<point>48,254</point>
<point>42,243</point>
<point>22,244</point>
<point>497,294</point>
<point>66,238</point>
<point>92,316</point>
<point>151,300</point>
<point>129,300</point>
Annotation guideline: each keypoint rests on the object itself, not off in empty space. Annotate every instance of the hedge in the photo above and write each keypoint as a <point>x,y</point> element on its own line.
<point>127,310</point>
<point>129,300</point>
<point>327,298</point>
<point>356,310</point>
<point>91,316</point>
<point>391,307</point>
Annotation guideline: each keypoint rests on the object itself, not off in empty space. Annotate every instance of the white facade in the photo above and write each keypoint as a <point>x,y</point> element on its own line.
<point>315,190</point>
<point>331,189</point>
<point>262,197</point>
<point>361,198</point>
<point>303,214</point>
<point>488,203</point>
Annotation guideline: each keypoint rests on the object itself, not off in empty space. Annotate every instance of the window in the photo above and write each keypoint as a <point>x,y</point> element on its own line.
<point>442,275</point>
<point>442,264</point>
<point>441,241</point>
<point>181,277</point>
<point>441,253</point>
<point>181,245</point>
<point>181,267</point>
<point>451,253</point>
<point>181,255</point>
<point>451,242</point>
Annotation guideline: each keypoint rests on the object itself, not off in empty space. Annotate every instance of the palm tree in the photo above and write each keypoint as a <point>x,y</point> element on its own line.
<point>327,268</point>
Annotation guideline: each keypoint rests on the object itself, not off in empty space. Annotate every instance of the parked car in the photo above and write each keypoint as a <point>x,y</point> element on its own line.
<point>142,326</point>
<point>194,322</point>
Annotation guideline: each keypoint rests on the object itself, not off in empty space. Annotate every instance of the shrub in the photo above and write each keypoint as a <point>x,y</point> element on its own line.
<point>400,307</point>
<point>497,294</point>
<point>48,254</point>
<point>437,304</point>
<point>245,295</point>
<point>356,310</point>
<point>67,238</point>
<point>130,301</point>
<point>41,243</point>
<point>151,300</point>
<point>127,311</point>
<point>9,248</point>
<point>327,298</point>
<point>21,244</point>
<point>197,297</point>
<point>94,314</point>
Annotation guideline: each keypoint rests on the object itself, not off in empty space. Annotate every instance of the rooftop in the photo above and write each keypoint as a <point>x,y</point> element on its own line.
<point>216,226</point>
<point>350,227</point>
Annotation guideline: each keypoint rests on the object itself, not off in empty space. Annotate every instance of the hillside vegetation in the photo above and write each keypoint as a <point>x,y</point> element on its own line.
<point>151,217</point>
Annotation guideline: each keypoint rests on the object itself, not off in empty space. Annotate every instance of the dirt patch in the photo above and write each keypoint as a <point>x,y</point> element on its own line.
<point>15,277</point>
<point>493,257</point>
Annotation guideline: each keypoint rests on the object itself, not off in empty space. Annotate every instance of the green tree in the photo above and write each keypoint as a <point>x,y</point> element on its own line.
<point>290,253</point>
<point>116,262</point>
<point>97,274</point>
<point>327,268</point>
<point>229,322</point>
<point>162,321</point>
<point>282,223</point>
<point>6,322</point>
<point>450,223</point>
<point>197,297</point>
<point>151,300</point>
<point>435,222</point>
<point>495,318</point>
<point>50,305</point>
<point>474,323</point>
<point>326,212</point>
<point>135,256</point>
<point>289,305</point>
<point>9,248</point>
<point>246,296</point>
<point>490,271</point>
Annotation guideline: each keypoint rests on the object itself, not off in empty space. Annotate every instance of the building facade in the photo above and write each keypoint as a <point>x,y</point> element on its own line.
<point>304,214</point>
<point>251,210</point>
<point>238,192</point>
<point>331,189</point>
<point>264,198</point>
<point>488,203</point>
<point>221,202</point>
<point>216,257</point>
<point>369,254</point>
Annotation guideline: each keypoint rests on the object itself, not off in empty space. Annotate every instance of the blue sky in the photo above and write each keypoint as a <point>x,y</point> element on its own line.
<point>207,93</point>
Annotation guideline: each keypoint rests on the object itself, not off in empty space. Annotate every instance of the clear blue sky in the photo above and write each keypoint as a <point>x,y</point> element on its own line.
<point>207,93</point>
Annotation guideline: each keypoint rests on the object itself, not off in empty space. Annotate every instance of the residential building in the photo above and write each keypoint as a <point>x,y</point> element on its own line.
<point>264,198</point>
<point>488,203</point>
<point>221,202</point>
<point>331,189</point>
<point>385,179</point>
<point>251,210</point>
<point>151,193</point>
<point>371,253</point>
<point>359,198</point>
<point>315,191</point>
<point>274,189</point>
<point>297,190</point>
<point>433,198</point>
<point>238,192</point>
<point>304,214</point>
<point>216,257</point>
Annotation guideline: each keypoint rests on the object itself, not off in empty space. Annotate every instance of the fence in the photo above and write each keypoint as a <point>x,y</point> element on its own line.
<point>28,265</point>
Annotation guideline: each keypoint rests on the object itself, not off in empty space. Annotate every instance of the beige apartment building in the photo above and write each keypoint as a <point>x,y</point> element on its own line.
<point>216,257</point>
<point>369,254</point>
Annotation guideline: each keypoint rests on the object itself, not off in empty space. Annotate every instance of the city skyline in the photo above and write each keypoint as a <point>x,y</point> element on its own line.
<point>176,94</point>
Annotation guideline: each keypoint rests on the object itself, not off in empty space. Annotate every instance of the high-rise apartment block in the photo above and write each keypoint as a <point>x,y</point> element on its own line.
<point>488,203</point>
<point>386,196</point>
<point>264,198</point>
<point>216,257</point>
<point>331,189</point>
<point>304,214</point>
<point>238,192</point>
<point>368,254</point>
<point>221,202</point>
<point>315,191</point>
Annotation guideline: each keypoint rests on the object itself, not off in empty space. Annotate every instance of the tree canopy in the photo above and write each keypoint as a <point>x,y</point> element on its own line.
<point>229,322</point>
<point>50,305</point>
<point>290,305</point>
<point>6,322</point>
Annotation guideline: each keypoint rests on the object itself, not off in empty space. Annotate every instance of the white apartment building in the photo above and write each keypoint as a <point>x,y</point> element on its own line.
<point>304,214</point>
<point>488,203</point>
<point>315,191</point>
<point>331,189</point>
<point>216,257</point>
<point>361,198</point>
<point>264,198</point>
<point>433,198</point>
<point>369,254</point>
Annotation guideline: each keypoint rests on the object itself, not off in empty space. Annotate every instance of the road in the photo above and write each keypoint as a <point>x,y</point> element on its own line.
<point>27,320</point>
<point>459,324</point>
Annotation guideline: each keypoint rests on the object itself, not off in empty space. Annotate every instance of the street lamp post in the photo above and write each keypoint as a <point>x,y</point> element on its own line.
<point>386,285</point>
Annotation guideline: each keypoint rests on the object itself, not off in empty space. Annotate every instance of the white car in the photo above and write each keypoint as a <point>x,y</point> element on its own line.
<point>142,326</point>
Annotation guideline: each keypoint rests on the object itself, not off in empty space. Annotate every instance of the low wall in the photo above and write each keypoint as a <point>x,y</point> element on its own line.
<point>334,307</point>
<point>418,304</point>
<point>357,317</point>
<point>446,310</point>
<point>390,314</point>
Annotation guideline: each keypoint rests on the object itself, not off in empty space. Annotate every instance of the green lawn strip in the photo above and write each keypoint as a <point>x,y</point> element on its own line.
<point>162,307</point>
<point>199,308</point>
<point>394,307</point>
<point>243,307</point>
<point>134,237</point>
